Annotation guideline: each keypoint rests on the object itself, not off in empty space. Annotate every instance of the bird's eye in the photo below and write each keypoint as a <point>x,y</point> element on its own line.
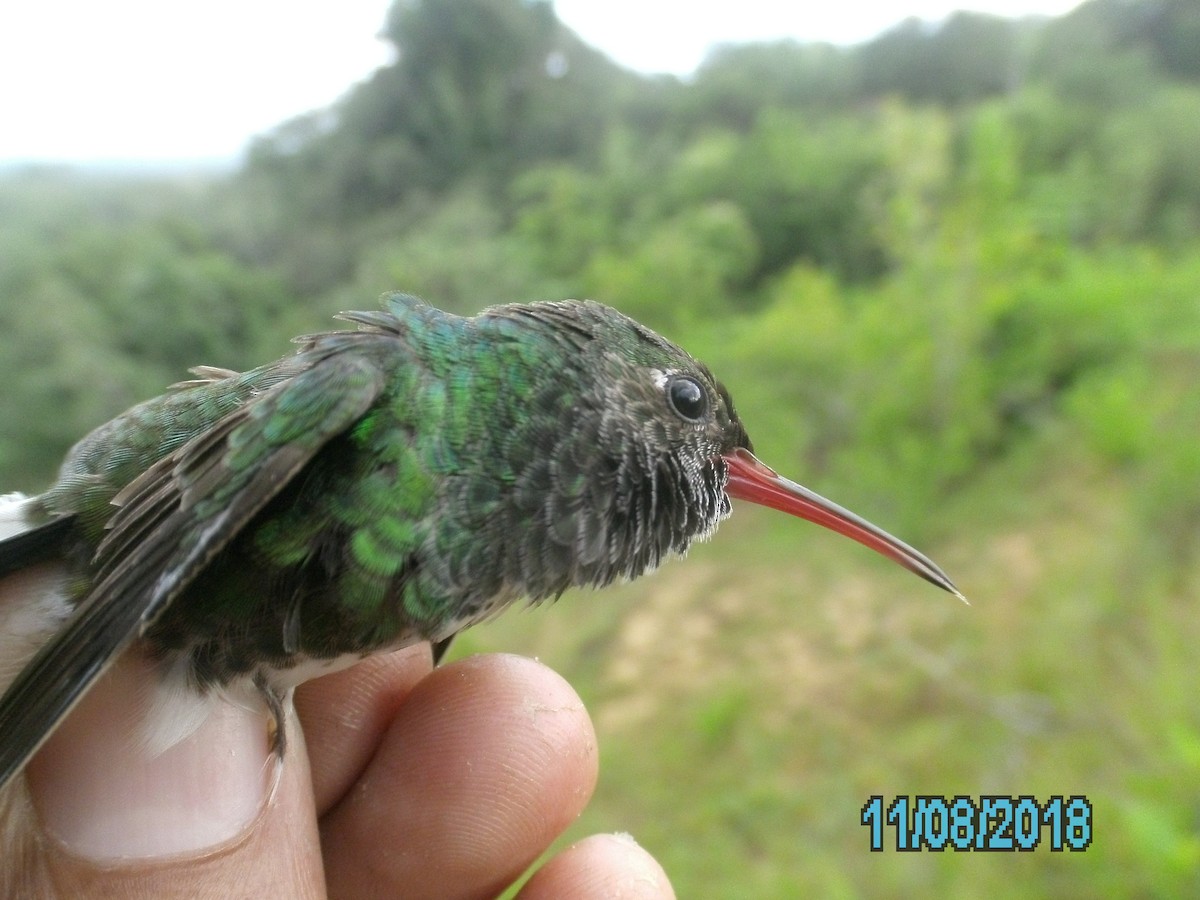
<point>687,398</point>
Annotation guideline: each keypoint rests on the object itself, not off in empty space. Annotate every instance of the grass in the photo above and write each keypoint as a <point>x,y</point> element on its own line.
<point>749,700</point>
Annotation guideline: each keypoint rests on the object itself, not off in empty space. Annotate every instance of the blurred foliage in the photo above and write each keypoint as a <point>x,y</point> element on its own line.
<point>952,277</point>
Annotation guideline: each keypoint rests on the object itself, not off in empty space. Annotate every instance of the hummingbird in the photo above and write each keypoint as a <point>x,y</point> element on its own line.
<point>382,485</point>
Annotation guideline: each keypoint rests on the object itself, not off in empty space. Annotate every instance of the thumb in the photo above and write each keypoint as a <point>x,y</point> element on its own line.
<point>98,815</point>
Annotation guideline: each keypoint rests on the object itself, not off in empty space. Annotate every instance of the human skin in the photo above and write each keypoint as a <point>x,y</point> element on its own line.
<point>401,780</point>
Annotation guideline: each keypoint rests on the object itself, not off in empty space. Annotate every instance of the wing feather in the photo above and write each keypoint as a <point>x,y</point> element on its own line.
<point>171,521</point>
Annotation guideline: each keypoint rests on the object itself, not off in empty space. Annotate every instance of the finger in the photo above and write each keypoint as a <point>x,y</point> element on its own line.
<point>98,815</point>
<point>487,761</point>
<point>609,866</point>
<point>345,716</point>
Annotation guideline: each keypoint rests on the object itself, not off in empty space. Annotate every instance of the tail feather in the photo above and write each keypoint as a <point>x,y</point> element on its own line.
<point>22,544</point>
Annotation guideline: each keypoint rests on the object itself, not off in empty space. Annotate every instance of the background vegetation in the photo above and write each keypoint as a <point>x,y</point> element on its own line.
<point>952,277</point>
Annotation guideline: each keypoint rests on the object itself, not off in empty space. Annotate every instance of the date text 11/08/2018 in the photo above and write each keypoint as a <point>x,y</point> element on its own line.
<point>989,823</point>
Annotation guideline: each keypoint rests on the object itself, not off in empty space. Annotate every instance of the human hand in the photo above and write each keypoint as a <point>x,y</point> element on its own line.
<point>408,781</point>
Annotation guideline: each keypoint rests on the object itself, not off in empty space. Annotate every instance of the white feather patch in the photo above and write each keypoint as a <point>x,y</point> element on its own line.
<point>12,514</point>
<point>175,708</point>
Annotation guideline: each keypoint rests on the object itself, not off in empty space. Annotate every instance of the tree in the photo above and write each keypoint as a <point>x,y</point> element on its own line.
<point>968,57</point>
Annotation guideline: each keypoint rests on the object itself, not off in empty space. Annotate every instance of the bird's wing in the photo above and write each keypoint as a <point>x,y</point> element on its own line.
<point>172,521</point>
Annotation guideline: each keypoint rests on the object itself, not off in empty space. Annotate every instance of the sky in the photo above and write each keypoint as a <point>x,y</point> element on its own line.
<point>148,80</point>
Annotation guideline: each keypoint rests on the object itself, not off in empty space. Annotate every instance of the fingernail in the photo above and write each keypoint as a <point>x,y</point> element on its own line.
<point>105,796</point>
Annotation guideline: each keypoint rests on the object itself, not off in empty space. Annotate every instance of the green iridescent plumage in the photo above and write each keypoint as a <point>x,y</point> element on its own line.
<point>379,487</point>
